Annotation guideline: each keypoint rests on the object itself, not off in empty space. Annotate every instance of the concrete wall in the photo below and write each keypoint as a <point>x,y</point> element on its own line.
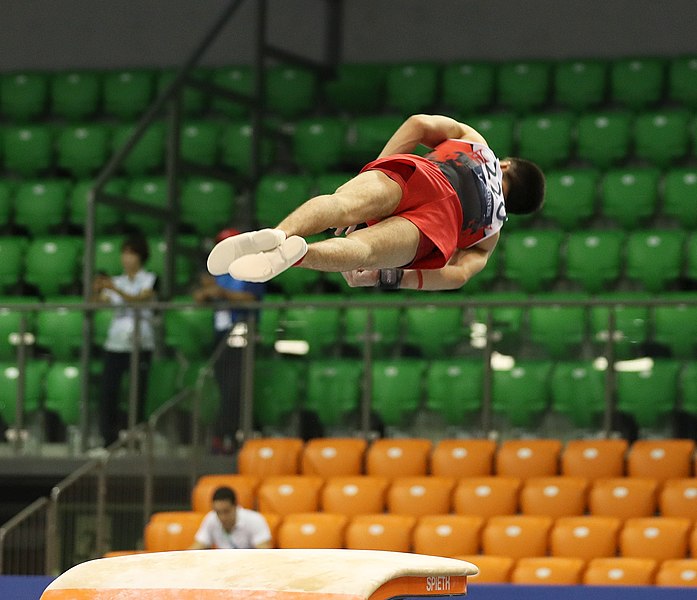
<point>57,34</point>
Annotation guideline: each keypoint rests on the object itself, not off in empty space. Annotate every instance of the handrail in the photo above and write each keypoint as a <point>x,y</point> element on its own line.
<point>17,520</point>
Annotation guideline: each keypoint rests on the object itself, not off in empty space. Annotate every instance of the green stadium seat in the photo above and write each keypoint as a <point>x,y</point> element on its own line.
<point>546,138</point>
<point>23,96</point>
<point>687,382</point>
<point>278,195</point>
<point>570,196</point>
<point>411,87</point>
<point>199,142</point>
<point>277,384</point>
<point>82,149</point>
<point>531,258</point>
<point>147,155</point>
<point>33,388</point>
<point>357,88</point>
<point>183,265</point>
<point>59,330</point>
<point>6,196</point>
<point>580,84</point>
<point>200,380</point>
<point>520,395</point>
<point>290,91</point>
<point>333,389</point>
<point>207,205</point>
<point>318,325</point>
<point>662,137</point>
<point>682,81</point>
<point>268,325</point>
<point>367,136</point>
<point>52,263</point>
<point>11,324</point>
<point>648,395</point>
<point>127,93</point>
<point>594,258</point>
<point>691,257</point>
<point>236,148</point>
<point>679,189</point>
<point>295,282</point>
<point>238,79</point>
<point>328,183</point>
<point>318,144</point>
<point>433,330</point>
<point>108,217</point>
<point>577,392</point>
<point>523,85</point>
<point>193,100</point>
<point>63,389</point>
<point>396,389</point>
<point>40,206</point>
<point>629,196</point>
<point>603,138</point>
<point>631,327</point>
<point>507,321</point>
<point>189,330</point>
<point>559,330</point>
<point>386,325</point>
<point>637,82</point>
<point>107,254</point>
<point>163,383</point>
<point>28,149</point>
<point>468,87</point>
<point>151,191</point>
<point>454,389</point>
<point>499,131</point>
<point>676,326</point>
<point>75,95</point>
<point>12,250</point>
<point>654,258</point>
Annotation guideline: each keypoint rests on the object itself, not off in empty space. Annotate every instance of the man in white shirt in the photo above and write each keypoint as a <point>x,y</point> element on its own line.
<point>231,526</point>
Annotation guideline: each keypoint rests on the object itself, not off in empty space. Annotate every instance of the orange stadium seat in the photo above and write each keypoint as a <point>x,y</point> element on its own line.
<point>548,570</point>
<point>487,496</point>
<point>678,498</point>
<point>380,532</point>
<point>585,537</point>
<point>554,496</point>
<point>528,458</point>
<point>620,571</point>
<point>270,456</point>
<point>274,522</point>
<point>312,530</point>
<point>623,497</point>
<point>447,535</point>
<point>328,457</point>
<point>661,459</point>
<point>660,538</point>
<point>288,494</point>
<point>463,458</point>
<point>358,495</point>
<point>171,530</point>
<point>244,486</point>
<point>516,535</point>
<point>492,569</point>
<point>593,459</point>
<point>398,457</point>
<point>417,496</point>
<point>677,573</point>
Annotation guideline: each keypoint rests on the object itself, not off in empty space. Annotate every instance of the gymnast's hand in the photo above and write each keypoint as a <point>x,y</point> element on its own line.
<point>361,277</point>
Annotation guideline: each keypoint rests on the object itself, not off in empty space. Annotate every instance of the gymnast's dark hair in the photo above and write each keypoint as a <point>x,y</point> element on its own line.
<point>225,493</point>
<point>526,187</point>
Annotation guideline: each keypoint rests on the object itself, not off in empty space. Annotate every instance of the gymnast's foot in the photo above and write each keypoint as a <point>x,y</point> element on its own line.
<point>265,265</point>
<point>230,249</point>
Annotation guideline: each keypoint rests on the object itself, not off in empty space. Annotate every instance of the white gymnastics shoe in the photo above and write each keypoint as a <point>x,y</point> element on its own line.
<point>266,265</point>
<point>224,253</point>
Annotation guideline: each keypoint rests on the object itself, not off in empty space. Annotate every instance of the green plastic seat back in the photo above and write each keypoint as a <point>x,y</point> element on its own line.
<point>333,389</point>
<point>63,389</point>
<point>679,191</point>
<point>83,149</point>
<point>52,263</point>
<point>498,129</point>
<point>546,138</point>
<point>396,390</point>
<point>603,138</point>
<point>523,85</point>
<point>41,205</point>
<point>318,325</point>
<point>277,386</point>
<point>682,81</point>
<point>559,329</point>
<point>358,88</point>
<point>431,329</point>
<point>28,149</point>
<point>151,191</point>
<point>11,323</point>
<point>676,327</point>
<point>521,394</point>
<point>649,395</point>
<point>207,205</point>
<point>23,95</point>
<point>580,84</point>
<point>34,375</point>
<point>637,82</point>
<point>199,142</point>
<point>630,196</point>
<point>367,135</point>
<point>318,144</point>
<point>468,87</point>
<point>236,78</point>
<point>236,148</point>
<point>654,257</point>
<point>189,330</point>
<point>290,91</point>
<point>531,258</point>
<point>577,391</point>
<point>570,196</point>
<point>662,137</point>
<point>411,87</point>
<point>454,388</point>
<point>127,93</point>
<point>108,217</point>
<point>147,156</point>
<point>277,195</point>
<point>631,323</point>
<point>594,258</point>
<point>60,329</point>
<point>12,250</point>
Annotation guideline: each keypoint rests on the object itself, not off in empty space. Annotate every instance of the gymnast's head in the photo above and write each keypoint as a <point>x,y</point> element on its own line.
<point>523,186</point>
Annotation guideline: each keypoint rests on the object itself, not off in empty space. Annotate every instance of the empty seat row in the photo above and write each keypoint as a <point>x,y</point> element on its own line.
<point>406,87</point>
<point>521,393</point>
<point>461,458</point>
<point>555,497</point>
